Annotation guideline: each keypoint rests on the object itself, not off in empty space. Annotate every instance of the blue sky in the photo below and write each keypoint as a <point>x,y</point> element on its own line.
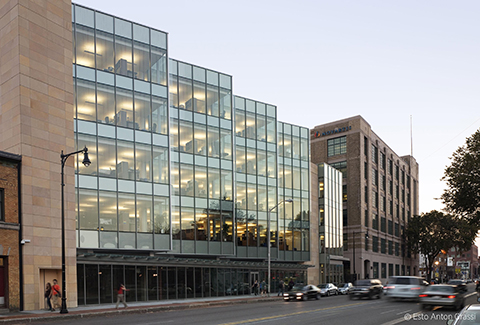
<point>321,61</point>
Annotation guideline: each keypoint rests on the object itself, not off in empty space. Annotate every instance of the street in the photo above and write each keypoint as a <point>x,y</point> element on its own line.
<point>330,310</point>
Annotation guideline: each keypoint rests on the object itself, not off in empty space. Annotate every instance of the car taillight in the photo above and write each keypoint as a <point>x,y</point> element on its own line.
<point>391,287</point>
<point>422,296</point>
<point>451,297</point>
<point>416,288</point>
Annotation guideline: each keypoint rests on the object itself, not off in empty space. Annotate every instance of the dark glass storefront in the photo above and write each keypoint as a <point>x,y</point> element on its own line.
<point>98,283</point>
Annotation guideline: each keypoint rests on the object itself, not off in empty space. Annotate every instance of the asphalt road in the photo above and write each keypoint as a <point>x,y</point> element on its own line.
<point>335,310</point>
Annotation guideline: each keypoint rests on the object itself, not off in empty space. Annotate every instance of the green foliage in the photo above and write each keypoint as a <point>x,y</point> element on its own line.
<point>462,195</point>
<point>431,232</point>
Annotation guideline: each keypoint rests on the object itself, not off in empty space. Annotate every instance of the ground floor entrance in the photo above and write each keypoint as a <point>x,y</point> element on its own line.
<point>98,283</point>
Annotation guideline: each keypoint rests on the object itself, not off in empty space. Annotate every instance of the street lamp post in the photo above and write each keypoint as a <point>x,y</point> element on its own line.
<point>87,163</point>
<point>268,238</point>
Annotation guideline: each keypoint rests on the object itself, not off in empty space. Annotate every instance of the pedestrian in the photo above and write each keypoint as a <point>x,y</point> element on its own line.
<point>48,296</point>
<point>255,287</point>
<point>290,284</point>
<point>281,288</point>
<point>263,287</point>
<point>56,295</point>
<point>121,295</point>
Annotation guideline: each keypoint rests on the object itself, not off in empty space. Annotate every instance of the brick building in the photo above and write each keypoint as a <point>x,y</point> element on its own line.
<point>10,246</point>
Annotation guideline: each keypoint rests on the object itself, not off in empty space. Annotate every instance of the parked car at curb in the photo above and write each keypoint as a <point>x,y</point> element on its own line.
<point>443,295</point>
<point>345,288</point>
<point>302,292</point>
<point>405,287</point>
<point>368,288</point>
<point>328,289</point>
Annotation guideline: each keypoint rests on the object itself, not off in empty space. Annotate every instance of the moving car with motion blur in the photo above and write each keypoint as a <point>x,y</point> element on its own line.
<point>443,295</point>
<point>302,292</point>
<point>405,287</point>
<point>368,288</point>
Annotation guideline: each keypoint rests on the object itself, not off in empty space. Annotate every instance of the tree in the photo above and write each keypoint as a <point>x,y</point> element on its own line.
<point>462,196</point>
<point>432,232</point>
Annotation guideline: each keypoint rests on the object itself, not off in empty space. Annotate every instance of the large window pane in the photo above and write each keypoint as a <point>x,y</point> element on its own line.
<point>212,100</point>
<point>144,213</point>
<point>186,137</point>
<point>141,61</point>
<point>250,131</point>
<point>123,56</point>
<point>125,165</point>
<point>185,100</point>
<point>85,46</point>
<point>261,128</point>
<point>124,116</point>
<point>126,212</point>
<point>201,225</point>
<point>143,118</point>
<point>227,185</point>
<point>160,210</point>
<point>226,144</point>
<point>201,181</point>
<point>240,123</point>
<point>187,183</point>
<point>108,210</point>
<point>105,104</point>
<point>159,115</point>
<point>188,223</point>
<point>86,100</point>
<point>104,51</point>
<point>240,160</point>
<point>106,157</point>
<point>198,97</point>
<point>160,165</point>
<point>200,140</point>
<point>225,104</point>
<point>213,142</point>
<point>87,209</point>
<point>159,66</point>
<point>143,156</point>
<point>214,183</point>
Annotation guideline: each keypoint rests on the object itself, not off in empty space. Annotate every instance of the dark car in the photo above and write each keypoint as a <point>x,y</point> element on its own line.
<point>458,282</point>
<point>368,288</point>
<point>302,292</point>
<point>443,295</point>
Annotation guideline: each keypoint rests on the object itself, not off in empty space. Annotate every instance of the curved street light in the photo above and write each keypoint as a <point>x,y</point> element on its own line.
<point>268,238</point>
<point>86,162</point>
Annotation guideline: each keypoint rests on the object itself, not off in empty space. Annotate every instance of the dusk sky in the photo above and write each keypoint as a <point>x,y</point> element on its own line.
<point>321,61</point>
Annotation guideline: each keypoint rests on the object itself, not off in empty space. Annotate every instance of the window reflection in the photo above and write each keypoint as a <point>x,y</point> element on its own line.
<point>123,56</point>
<point>141,61</point>
<point>108,210</point>
<point>87,209</point>
<point>106,157</point>
<point>226,104</point>
<point>143,158</point>
<point>159,66</point>
<point>105,104</point>
<point>187,183</point>
<point>200,140</point>
<point>142,112</point>
<point>160,165</point>
<point>212,101</point>
<point>160,210</point>
<point>85,95</point>
<point>124,115</point>
<point>186,137</point>
<point>126,212</point>
<point>159,115</point>
<point>105,53</point>
<point>201,182</point>
<point>125,162</point>
<point>85,46</point>
<point>144,214</point>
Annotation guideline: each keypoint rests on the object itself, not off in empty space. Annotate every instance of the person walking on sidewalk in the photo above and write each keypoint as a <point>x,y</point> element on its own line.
<point>121,295</point>
<point>56,295</point>
<point>263,288</point>
<point>255,287</point>
<point>48,296</point>
<point>281,288</point>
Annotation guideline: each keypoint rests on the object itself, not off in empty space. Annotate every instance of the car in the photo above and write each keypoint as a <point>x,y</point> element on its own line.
<point>459,282</point>
<point>443,295</point>
<point>302,292</point>
<point>328,289</point>
<point>345,288</point>
<point>468,315</point>
<point>405,287</point>
<point>368,288</point>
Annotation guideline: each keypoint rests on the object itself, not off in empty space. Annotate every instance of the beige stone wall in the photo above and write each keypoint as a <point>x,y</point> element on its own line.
<point>313,273</point>
<point>36,110</point>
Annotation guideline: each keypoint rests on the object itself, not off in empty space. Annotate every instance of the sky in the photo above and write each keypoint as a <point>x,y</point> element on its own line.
<point>396,63</point>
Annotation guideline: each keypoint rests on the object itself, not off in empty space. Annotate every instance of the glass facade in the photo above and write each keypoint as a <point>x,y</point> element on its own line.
<point>331,241</point>
<point>180,166</point>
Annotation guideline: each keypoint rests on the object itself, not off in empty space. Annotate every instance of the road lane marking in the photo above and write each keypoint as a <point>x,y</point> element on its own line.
<point>404,312</point>
<point>292,314</point>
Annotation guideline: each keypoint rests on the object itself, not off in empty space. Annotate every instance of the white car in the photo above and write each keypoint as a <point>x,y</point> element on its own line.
<point>405,287</point>
<point>328,289</point>
<point>345,288</point>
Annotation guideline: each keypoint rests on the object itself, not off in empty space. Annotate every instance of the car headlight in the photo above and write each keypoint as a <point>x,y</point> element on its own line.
<point>285,294</point>
<point>299,294</point>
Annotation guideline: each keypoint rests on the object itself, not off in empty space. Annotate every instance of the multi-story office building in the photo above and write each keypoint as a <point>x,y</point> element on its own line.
<point>183,176</point>
<point>330,204</point>
<point>380,194</point>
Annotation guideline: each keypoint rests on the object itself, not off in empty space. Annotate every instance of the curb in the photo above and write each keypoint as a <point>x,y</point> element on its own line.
<point>21,319</point>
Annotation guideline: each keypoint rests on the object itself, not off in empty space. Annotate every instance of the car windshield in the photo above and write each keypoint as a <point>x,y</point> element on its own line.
<point>298,287</point>
<point>441,289</point>
<point>322,286</point>
<point>455,282</point>
<point>362,283</point>
<point>343,285</point>
<point>469,317</point>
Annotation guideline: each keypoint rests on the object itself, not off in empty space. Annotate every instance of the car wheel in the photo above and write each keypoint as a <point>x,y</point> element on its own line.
<point>370,296</point>
<point>336,293</point>
<point>304,297</point>
<point>379,296</point>
<point>328,293</point>
<point>317,296</point>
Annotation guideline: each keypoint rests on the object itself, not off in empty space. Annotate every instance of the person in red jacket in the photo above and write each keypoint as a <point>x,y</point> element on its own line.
<point>56,295</point>
<point>121,295</point>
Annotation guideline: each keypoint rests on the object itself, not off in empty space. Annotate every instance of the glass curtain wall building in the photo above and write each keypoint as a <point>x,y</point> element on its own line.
<point>183,173</point>
<point>330,224</point>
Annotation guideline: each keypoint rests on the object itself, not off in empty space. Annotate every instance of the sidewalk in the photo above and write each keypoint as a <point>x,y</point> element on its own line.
<point>133,307</point>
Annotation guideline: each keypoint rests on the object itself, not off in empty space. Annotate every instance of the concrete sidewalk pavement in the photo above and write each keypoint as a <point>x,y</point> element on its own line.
<point>133,307</point>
